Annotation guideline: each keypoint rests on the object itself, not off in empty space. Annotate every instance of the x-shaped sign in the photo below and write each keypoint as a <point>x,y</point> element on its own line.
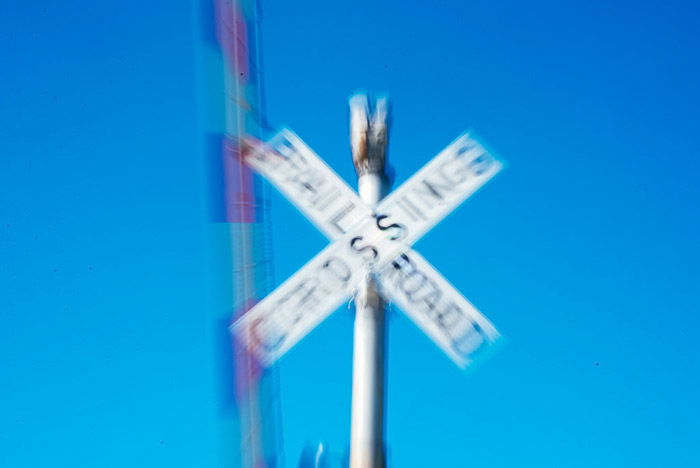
<point>369,241</point>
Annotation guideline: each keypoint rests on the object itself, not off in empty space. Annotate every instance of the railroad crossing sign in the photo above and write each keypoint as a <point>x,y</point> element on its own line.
<point>368,241</point>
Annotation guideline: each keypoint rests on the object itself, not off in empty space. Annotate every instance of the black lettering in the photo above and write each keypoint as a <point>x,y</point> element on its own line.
<point>308,299</point>
<point>330,197</point>
<point>400,262</point>
<point>286,149</point>
<point>449,317</point>
<point>269,345</point>
<point>307,182</point>
<point>335,220</point>
<point>465,148</point>
<point>304,298</point>
<point>343,275</point>
<point>359,248</point>
<point>413,211</point>
<point>470,341</point>
<point>430,190</point>
<point>398,229</point>
<point>454,170</point>
<point>409,287</point>
<point>418,288</point>
<point>432,296</point>
<point>334,274</point>
<point>481,163</point>
<point>430,293</point>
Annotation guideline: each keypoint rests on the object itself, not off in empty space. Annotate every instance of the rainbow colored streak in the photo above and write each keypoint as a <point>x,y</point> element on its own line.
<point>230,62</point>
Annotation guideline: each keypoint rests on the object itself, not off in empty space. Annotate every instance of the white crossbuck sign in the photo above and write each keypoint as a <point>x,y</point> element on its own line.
<point>369,241</point>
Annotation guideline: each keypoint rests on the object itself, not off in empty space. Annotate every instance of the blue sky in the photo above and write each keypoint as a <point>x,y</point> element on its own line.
<point>583,253</point>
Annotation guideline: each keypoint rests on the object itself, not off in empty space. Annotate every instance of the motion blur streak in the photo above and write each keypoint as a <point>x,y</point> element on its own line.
<point>229,82</point>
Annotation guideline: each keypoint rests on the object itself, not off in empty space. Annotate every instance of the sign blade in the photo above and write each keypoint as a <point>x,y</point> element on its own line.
<point>297,306</point>
<point>439,187</point>
<point>366,241</point>
<point>309,183</point>
<point>437,308</point>
<point>292,310</point>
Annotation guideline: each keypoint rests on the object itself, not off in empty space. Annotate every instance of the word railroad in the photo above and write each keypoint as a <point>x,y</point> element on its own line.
<point>368,241</point>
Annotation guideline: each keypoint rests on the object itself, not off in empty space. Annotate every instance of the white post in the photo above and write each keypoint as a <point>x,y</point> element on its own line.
<point>368,140</point>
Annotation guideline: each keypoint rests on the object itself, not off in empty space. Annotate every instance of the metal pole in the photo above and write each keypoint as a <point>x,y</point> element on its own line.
<point>368,136</point>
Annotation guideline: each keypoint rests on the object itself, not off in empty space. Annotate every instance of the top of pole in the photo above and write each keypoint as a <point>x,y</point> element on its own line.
<point>369,134</point>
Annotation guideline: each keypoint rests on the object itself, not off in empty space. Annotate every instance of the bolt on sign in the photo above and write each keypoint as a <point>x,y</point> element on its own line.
<point>369,241</point>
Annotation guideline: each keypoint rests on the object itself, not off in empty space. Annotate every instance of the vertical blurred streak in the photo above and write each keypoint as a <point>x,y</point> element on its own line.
<point>230,91</point>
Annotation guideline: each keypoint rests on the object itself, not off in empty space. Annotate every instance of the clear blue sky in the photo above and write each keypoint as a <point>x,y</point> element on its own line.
<point>584,252</point>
